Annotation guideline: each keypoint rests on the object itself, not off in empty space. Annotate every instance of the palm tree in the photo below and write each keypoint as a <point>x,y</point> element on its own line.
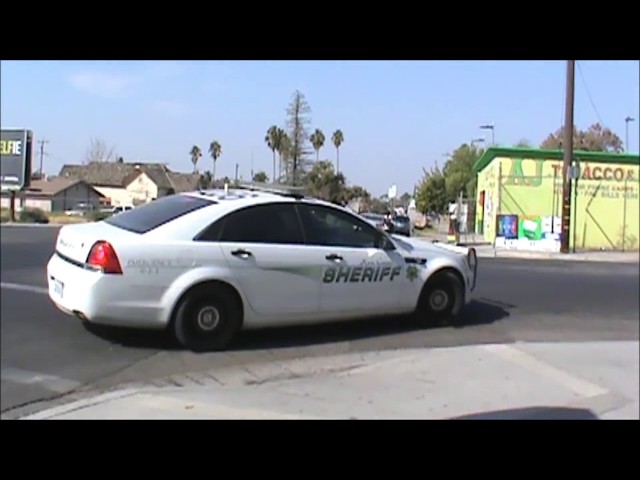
<point>284,150</point>
<point>215,150</point>
<point>337,138</point>
<point>195,153</point>
<point>317,140</point>
<point>272,139</point>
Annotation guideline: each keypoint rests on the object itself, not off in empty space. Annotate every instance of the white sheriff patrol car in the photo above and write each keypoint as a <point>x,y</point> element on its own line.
<point>208,264</point>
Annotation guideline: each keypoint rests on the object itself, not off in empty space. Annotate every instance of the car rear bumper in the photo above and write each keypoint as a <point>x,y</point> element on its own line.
<point>98,298</point>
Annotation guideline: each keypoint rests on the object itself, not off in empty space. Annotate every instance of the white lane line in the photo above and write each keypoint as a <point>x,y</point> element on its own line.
<point>50,382</point>
<point>561,377</point>
<point>24,288</point>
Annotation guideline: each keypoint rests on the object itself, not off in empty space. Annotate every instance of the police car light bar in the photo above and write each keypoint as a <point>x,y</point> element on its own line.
<point>275,188</point>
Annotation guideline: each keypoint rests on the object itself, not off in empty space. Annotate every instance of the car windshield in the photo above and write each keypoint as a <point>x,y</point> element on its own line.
<point>151,215</point>
<point>402,220</point>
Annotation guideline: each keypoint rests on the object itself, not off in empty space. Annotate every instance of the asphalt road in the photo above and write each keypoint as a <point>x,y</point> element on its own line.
<point>46,354</point>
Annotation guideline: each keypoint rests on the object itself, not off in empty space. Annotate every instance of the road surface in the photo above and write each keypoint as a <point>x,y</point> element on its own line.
<point>46,354</point>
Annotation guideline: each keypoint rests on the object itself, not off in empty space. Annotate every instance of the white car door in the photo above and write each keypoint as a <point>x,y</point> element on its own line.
<point>358,277</point>
<point>264,247</point>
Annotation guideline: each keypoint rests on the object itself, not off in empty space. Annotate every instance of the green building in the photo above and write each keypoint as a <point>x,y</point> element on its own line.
<point>519,199</point>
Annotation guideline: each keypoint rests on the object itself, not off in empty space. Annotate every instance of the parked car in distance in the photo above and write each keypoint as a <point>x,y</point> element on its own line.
<point>402,225</point>
<point>81,209</point>
<point>121,208</point>
<point>375,219</point>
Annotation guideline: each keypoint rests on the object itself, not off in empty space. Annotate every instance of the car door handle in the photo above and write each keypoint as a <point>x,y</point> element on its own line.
<point>241,253</point>
<point>334,257</point>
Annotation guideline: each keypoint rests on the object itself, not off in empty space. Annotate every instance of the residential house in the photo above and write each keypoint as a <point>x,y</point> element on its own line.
<point>132,183</point>
<point>56,195</point>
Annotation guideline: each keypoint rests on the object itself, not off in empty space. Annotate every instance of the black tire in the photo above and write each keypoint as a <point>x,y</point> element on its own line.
<point>216,305</point>
<point>447,287</point>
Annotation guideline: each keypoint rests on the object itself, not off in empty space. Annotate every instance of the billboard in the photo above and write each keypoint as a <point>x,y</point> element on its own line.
<point>16,148</point>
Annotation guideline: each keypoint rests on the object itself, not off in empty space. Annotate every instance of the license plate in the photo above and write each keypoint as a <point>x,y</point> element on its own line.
<point>58,288</point>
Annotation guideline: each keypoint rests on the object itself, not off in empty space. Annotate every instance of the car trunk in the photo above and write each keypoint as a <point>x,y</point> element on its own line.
<point>75,241</point>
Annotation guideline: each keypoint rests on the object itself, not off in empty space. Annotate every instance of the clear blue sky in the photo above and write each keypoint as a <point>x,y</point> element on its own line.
<point>397,117</point>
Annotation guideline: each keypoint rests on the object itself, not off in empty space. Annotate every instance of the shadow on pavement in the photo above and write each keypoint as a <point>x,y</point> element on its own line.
<point>478,312</point>
<point>533,413</point>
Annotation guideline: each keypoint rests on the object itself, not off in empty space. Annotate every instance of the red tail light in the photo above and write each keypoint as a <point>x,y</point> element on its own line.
<point>103,256</point>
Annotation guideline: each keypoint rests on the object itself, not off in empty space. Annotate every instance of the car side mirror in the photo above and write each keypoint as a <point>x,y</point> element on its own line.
<point>385,244</point>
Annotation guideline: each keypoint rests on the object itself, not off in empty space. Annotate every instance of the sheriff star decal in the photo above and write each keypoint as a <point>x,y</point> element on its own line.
<point>412,273</point>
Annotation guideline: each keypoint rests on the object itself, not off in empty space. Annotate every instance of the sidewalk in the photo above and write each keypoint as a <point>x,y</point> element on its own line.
<point>612,257</point>
<point>579,381</point>
<point>487,250</point>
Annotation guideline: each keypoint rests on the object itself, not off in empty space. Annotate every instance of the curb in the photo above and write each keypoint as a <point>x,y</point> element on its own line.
<point>484,250</point>
<point>80,404</point>
<point>254,373</point>
<point>575,257</point>
<point>32,225</point>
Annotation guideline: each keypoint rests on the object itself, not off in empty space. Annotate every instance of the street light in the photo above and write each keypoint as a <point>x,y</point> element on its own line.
<point>477,140</point>
<point>626,140</point>
<point>490,126</point>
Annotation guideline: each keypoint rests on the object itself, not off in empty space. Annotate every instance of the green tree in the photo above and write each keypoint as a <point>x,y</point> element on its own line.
<point>358,194</point>
<point>594,139</point>
<point>431,192</point>
<point>338,139</point>
<point>273,138</point>
<point>324,183</point>
<point>261,177</point>
<point>458,172</point>
<point>195,154</point>
<point>317,141</point>
<point>206,180</point>
<point>215,150</point>
<point>298,121</point>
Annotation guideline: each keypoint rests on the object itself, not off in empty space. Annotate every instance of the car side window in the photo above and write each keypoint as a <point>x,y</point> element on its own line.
<point>272,223</point>
<point>325,226</point>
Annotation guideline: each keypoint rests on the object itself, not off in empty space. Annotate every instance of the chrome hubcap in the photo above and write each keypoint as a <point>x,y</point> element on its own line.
<point>208,318</point>
<point>438,300</point>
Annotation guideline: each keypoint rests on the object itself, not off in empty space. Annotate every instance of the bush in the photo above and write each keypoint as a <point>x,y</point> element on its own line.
<point>5,215</point>
<point>33,215</point>
<point>98,216</point>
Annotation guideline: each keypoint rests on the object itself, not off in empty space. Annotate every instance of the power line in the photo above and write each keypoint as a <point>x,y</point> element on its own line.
<point>593,104</point>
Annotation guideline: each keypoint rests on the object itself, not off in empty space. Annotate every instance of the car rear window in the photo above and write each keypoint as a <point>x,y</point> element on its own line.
<point>151,215</point>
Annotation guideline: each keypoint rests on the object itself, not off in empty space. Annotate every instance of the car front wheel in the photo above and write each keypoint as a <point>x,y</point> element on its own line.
<point>441,300</point>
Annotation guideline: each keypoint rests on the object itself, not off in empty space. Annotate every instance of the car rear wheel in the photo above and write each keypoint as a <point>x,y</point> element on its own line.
<point>441,300</point>
<point>207,319</point>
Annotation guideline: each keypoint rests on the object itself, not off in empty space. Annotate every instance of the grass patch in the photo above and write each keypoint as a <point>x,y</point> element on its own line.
<point>63,219</point>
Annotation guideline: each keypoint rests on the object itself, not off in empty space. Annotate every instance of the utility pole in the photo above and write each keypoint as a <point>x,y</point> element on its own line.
<point>252,165</point>
<point>42,143</point>
<point>237,166</point>
<point>567,157</point>
<point>626,138</point>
